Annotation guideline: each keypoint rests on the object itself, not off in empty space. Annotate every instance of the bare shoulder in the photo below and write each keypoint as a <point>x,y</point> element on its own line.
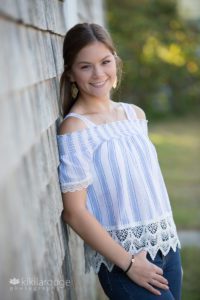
<point>139,111</point>
<point>71,124</point>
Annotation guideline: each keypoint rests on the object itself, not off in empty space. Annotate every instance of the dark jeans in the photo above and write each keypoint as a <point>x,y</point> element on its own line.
<point>118,286</point>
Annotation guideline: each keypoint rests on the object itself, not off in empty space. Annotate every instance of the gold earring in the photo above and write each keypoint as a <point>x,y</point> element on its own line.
<point>115,84</point>
<point>74,90</point>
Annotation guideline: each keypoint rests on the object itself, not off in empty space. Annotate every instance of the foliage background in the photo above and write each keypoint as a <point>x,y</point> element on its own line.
<point>161,56</point>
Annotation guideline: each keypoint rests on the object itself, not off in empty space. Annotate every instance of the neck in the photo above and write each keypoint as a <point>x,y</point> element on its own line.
<point>95,105</point>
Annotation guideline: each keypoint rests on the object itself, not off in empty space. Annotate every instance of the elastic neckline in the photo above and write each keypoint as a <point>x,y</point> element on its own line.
<point>91,123</point>
<point>102,125</point>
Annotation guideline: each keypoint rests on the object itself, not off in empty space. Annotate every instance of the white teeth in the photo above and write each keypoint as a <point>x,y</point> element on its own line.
<point>98,83</point>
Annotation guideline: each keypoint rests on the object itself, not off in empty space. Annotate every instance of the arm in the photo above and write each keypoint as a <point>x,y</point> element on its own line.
<point>139,112</point>
<point>90,230</point>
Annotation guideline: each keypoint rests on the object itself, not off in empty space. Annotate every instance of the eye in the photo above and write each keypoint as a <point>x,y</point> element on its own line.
<point>105,62</point>
<point>84,67</point>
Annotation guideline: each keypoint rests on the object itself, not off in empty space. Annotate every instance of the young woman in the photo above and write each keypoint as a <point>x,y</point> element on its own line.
<point>113,191</point>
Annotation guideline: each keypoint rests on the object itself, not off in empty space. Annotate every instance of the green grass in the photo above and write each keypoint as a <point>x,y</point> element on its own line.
<point>191,273</point>
<point>178,146</point>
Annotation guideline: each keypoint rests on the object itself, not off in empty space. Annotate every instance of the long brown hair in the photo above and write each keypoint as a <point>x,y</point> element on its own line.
<point>77,38</point>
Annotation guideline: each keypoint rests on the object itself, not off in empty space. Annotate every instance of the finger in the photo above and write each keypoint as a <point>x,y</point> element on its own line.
<point>157,284</point>
<point>158,270</point>
<point>160,278</point>
<point>152,289</point>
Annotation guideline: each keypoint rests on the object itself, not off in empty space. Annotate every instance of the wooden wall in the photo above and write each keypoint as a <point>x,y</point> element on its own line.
<point>35,246</point>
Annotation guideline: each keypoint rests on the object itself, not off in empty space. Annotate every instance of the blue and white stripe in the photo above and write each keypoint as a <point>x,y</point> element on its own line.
<point>118,164</point>
<point>126,193</point>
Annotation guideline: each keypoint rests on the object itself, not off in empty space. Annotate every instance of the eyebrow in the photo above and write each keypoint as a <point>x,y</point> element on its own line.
<point>86,62</point>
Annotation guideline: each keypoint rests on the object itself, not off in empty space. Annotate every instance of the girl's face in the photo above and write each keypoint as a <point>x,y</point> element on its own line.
<point>94,71</point>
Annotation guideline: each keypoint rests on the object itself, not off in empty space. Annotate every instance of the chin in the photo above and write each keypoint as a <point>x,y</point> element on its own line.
<point>101,93</point>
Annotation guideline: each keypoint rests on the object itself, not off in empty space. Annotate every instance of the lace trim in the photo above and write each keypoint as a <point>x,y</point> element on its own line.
<point>152,237</point>
<point>77,186</point>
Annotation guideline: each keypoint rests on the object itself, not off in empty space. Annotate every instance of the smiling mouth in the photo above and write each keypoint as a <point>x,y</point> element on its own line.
<point>98,84</point>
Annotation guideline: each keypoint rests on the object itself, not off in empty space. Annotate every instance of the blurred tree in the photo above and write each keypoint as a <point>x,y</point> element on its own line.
<point>160,53</point>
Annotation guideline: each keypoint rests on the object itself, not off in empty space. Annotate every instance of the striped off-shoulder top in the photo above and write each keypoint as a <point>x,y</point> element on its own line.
<point>118,165</point>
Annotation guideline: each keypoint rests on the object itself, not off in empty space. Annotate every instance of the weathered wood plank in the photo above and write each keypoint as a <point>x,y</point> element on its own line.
<point>24,116</point>
<point>29,54</point>
<point>34,242</point>
<point>10,8</point>
<point>42,14</point>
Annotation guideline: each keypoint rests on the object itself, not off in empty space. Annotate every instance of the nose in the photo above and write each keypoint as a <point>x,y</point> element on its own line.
<point>97,71</point>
